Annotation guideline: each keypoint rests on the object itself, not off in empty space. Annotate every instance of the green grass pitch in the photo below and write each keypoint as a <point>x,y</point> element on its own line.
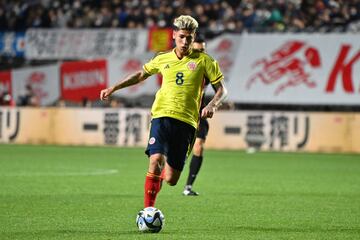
<point>53,192</point>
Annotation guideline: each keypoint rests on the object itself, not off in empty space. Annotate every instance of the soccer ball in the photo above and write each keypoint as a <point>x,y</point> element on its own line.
<point>150,219</point>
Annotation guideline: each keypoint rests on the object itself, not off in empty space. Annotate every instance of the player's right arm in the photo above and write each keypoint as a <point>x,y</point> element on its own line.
<point>149,69</point>
<point>130,80</point>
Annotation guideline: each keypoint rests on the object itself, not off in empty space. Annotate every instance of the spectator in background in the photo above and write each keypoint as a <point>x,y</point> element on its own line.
<point>6,99</point>
<point>86,102</point>
<point>116,103</point>
<point>60,103</point>
<point>218,16</point>
<point>29,97</point>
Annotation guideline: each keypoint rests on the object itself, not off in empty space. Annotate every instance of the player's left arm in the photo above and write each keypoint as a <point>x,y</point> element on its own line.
<point>149,69</point>
<point>220,94</point>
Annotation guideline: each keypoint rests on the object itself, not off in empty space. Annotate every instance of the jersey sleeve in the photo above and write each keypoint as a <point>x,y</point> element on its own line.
<point>213,72</point>
<point>152,67</point>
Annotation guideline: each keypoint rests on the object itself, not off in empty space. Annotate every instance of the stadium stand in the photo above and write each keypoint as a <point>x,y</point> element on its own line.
<point>215,17</point>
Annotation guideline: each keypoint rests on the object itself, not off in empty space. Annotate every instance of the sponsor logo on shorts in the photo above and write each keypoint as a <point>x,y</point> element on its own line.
<point>152,140</point>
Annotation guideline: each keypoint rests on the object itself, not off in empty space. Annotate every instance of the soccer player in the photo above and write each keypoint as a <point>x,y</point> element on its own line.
<point>175,111</point>
<point>202,131</point>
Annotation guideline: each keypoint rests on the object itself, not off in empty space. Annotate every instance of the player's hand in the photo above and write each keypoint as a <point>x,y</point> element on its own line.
<point>208,112</point>
<point>105,93</point>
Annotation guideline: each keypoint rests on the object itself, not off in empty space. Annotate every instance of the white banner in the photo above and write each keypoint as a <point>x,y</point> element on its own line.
<point>224,49</point>
<point>121,67</point>
<point>259,68</point>
<point>297,69</point>
<point>84,44</point>
<point>44,82</point>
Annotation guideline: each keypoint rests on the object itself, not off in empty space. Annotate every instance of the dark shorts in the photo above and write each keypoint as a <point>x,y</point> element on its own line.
<point>203,129</point>
<point>173,138</point>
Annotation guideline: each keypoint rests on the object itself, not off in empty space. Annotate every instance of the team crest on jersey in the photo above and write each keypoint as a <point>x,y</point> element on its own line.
<point>152,140</point>
<point>192,66</point>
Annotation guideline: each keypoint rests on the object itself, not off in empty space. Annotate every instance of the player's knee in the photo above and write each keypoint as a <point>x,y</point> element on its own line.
<point>171,182</point>
<point>198,149</point>
<point>156,163</point>
<point>171,175</point>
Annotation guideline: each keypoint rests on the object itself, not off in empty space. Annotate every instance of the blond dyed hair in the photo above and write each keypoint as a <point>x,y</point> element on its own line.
<point>186,22</point>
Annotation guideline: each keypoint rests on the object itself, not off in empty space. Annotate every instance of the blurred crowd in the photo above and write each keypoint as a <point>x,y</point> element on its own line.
<point>214,16</point>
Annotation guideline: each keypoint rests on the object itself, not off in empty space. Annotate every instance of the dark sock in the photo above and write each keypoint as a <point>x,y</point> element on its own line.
<point>195,165</point>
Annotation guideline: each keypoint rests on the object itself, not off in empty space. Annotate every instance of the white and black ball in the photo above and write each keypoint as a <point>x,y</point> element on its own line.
<point>150,219</point>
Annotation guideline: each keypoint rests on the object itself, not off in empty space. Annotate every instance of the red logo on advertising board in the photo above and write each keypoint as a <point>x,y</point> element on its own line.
<point>5,82</point>
<point>83,79</point>
<point>224,46</point>
<point>287,66</point>
<point>37,80</point>
<point>344,69</point>
<point>132,65</point>
<point>225,63</point>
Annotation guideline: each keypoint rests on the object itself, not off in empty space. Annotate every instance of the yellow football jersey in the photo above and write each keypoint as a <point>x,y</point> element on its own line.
<point>183,82</point>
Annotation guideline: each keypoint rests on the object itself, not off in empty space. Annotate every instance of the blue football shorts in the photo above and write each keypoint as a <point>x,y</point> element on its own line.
<point>173,138</point>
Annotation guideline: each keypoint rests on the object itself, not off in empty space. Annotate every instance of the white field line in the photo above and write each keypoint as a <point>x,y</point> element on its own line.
<point>93,172</point>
